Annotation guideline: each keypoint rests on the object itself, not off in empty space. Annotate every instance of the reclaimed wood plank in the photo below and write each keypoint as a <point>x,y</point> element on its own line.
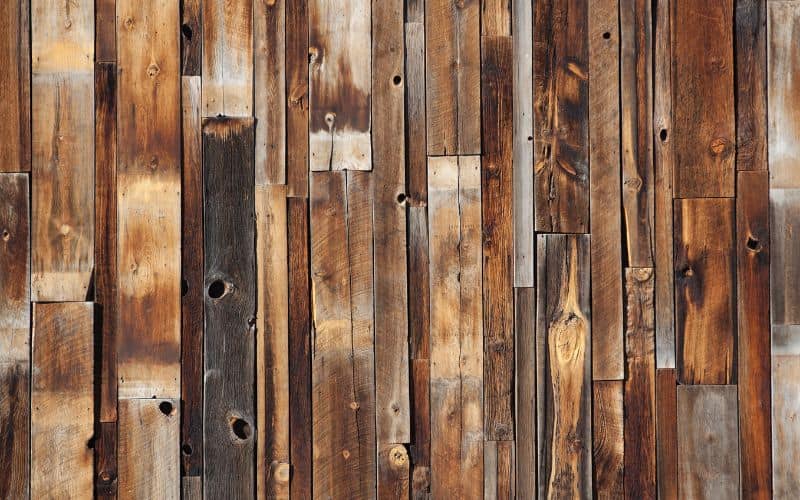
<point>148,199</point>
<point>560,116</point>
<point>525,403</point>
<point>105,30</point>
<point>191,38</point>
<point>62,400</point>
<point>608,353</point>
<point>393,472</point>
<point>297,97</point>
<point>415,147</point>
<point>702,44</point>
<point>608,446</point>
<point>230,307</point>
<point>105,465</point>
<point>563,366</point>
<point>785,408</point>
<point>496,18</point>
<point>785,256</point>
<point>667,434</point>
<point>15,87</point>
<point>708,444</point>
<point>15,419</point>
<point>705,290</point>
<point>750,51</point>
<point>192,488</point>
<point>452,78</point>
<point>499,479</point>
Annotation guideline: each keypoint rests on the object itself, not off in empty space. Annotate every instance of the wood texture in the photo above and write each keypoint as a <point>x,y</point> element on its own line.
<point>750,52</point>
<point>785,256</point>
<point>105,462</point>
<point>105,30</point>
<point>15,420</point>
<point>667,433</point>
<point>525,403</point>
<point>499,464</point>
<point>191,37</point>
<point>297,97</point>
<point>15,87</point>
<point>269,34</point>
<point>785,406</point>
<point>414,87</point>
<point>608,453</point>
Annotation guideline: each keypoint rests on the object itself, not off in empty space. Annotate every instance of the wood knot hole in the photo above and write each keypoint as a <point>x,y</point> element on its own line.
<point>663,135</point>
<point>187,449</point>
<point>217,289</point>
<point>401,198</point>
<point>166,408</point>
<point>397,80</point>
<point>6,235</point>
<point>186,31</point>
<point>606,35</point>
<point>753,244</point>
<point>241,429</point>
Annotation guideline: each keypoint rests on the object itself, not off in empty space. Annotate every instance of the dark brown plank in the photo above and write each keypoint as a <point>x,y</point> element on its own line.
<point>785,255</point>
<point>751,86</point>
<point>525,403</point>
<point>667,434</point>
<point>416,149</point>
<point>191,38</point>
<point>105,30</point>
<point>105,466</point>
<point>229,256</point>
<point>297,97</point>
<point>705,293</point>
<point>15,413</point>
<point>15,87</point>
<point>608,447</point>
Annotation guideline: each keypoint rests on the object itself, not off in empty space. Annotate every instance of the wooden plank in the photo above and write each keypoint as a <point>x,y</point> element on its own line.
<point>230,307</point>
<point>192,269</point>
<point>750,51</point>
<point>785,407</point>
<point>191,38</point>
<point>525,403</point>
<point>705,294</point>
<point>297,97</point>
<point>456,377</point>
<point>340,78</point>
<point>227,54</point>
<point>15,415</point>
<point>191,488</point>
<point>15,87</point>
<point>608,446</point>
<point>148,199</point>
<point>702,43</point>
<point>563,366</point>
<point>105,30</point>
<point>105,465</point>
<point>608,361</point>
<point>785,256</point>
<point>452,78</point>
<point>499,467</point>
<point>269,35</point>
<point>149,438</point>
<point>393,472</point>
<point>62,400</point>
<point>497,186</point>
<point>752,288</point>
<point>708,444</point>
<point>272,343</point>
<point>560,116</point>
<point>415,147</point>
<point>640,384</point>
<point>496,18</point>
<point>667,434</point>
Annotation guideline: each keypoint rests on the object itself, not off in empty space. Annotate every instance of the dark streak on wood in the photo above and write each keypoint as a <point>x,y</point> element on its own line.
<point>105,445</point>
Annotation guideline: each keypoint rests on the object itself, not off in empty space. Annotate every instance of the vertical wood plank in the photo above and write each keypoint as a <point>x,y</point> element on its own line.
<point>705,290</point>
<point>191,38</point>
<point>750,51</point>
<point>62,400</point>
<point>499,470</point>
<point>105,465</point>
<point>702,44</point>
<point>785,407</point>
<point>415,147</point>
<point>393,472</point>
<point>230,306</point>
<point>496,18</point>
<point>667,434</point>
<point>608,446</point>
<point>708,444</point>
<point>15,87</point>
<point>105,30</point>
<point>148,199</point>
<point>297,97</point>
<point>15,414</point>
<point>525,403</point>
<point>191,488</point>
<point>785,256</point>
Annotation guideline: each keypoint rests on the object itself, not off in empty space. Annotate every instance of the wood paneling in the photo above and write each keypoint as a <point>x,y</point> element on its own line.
<point>785,407</point>
<point>525,390</point>
<point>608,451</point>
<point>667,433</point>
<point>750,52</point>
<point>784,208</point>
<point>297,97</point>
<point>15,87</point>
<point>269,33</point>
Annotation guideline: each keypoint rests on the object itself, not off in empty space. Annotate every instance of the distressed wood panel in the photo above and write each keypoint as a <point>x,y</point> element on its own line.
<point>499,464</point>
<point>15,87</point>
<point>414,86</point>
<point>750,51</point>
<point>608,446</point>
<point>105,460</point>
<point>297,97</point>
<point>105,30</point>
<point>667,433</point>
<point>785,256</point>
<point>785,407</point>
<point>525,402</point>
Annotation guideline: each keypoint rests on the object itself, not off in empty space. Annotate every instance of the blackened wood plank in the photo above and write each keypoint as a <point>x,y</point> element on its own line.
<point>62,400</point>
<point>560,116</point>
<point>525,403</point>
<point>751,85</point>
<point>15,87</point>
<point>105,466</point>
<point>785,256</point>
<point>269,35</point>
<point>702,44</point>
<point>667,434</point>
<point>604,190</point>
<point>708,442</point>
<point>15,413</point>
<point>15,269</point>
<point>105,30</point>
<point>230,307</point>
<point>297,97</point>
<point>416,149</point>
<point>497,185</point>
<point>191,38</point>
<point>705,290</point>
<point>563,366</point>
<point>608,447</point>
<point>785,408</point>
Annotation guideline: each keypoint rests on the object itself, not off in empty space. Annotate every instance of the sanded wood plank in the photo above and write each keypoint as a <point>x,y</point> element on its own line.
<point>269,35</point>
<point>785,256</point>
<point>525,403</point>
<point>608,447</point>
<point>105,31</point>
<point>297,97</point>
<point>456,329</point>
<point>499,479</point>
<point>148,199</point>
<point>752,288</point>
<point>604,191</point>
<point>15,415</point>
<point>62,400</point>
<point>751,86</point>
<point>452,77</point>
<point>191,38</point>
<point>105,465</point>
<point>230,307</point>
<point>702,44</point>
<point>785,408</point>
<point>149,438</point>
<point>667,434</point>
<point>708,444</point>
<point>340,78</point>
<point>227,56</point>
<point>563,366</point>
<point>560,116</point>
<point>15,87</point>
<point>705,290</point>
<point>416,149</point>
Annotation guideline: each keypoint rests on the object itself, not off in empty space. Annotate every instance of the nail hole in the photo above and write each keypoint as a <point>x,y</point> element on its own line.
<point>663,134</point>
<point>397,80</point>
<point>216,289</point>
<point>607,35</point>
<point>753,244</point>
<point>401,198</point>
<point>241,428</point>
<point>184,287</point>
<point>186,449</point>
<point>187,31</point>
<point>165,407</point>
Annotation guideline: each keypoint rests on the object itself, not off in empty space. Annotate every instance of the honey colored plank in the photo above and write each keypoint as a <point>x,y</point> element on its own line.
<point>414,86</point>
<point>340,78</point>
<point>560,116</point>
<point>525,403</point>
<point>705,293</point>
<point>496,18</point>
<point>608,361</point>
<point>149,439</point>
<point>15,414</point>
<point>15,269</point>
<point>608,446</point>
<point>785,256</point>
<point>708,444</point>
<point>750,51</point>
<point>227,57</point>
<point>105,465</point>
<point>297,97</point>
<point>148,199</point>
<point>667,434</point>
<point>702,44</point>
<point>785,407</point>
<point>563,366</point>
<point>191,38</point>
<point>105,30</point>
<point>452,77</point>
<point>62,400</point>
<point>15,87</point>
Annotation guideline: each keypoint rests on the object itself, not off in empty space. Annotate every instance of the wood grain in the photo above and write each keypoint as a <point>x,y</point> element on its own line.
<point>414,87</point>
<point>105,30</point>
<point>525,402</point>
<point>297,97</point>
<point>608,445</point>
<point>785,256</point>
<point>15,87</point>
<point>191,37</point>
<point>667,433</point>
<point>785,407</point>
<point>499,480</point>
<point>105,460</point>
<point>15,420</point>
<point>750,51</point>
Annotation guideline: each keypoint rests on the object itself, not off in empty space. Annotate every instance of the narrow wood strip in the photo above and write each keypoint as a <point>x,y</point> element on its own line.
<point>525,402</point>
<point>393,472</point>
<point>499,470</point>
<point>490,468</point>
<point>667,434</point>
<point>785,408</point>
<point>15,413</point>
<point>15,87</point>
<point>608,446</point>
<point>785,256</point>
<point>105,466</point>
<point>105,30</point>
<point>297,97</point>
<point>415,147</point>
<point>496,18</point>
<point>750,51</point>
<point>191,38</point>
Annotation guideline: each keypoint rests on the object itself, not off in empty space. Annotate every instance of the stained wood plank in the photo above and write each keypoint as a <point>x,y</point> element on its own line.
<point>708,444</point>
<point>452,78</point>
<point>608,446</point>
<point>105,465</point>
<point>563,379</point>
<point>525,403</point>
<point>705,293</point>
<point>750,51</point>
<point>560,116</point>
<point>15,416</point>
<point>191,38</point>
<point>148,199</point>
<point>105,30</point>
<point>499,468</point>
<point>702,44</point>
<point>415,147</point>
<point>15,87</point>
<point>340,77</point>
<point>604,191</point>
<point>785,407</point>
<point>785,256</point>
<point>667,434</point>
<point>230,307</point>
<point>297,97</point>
<point>62,400</point>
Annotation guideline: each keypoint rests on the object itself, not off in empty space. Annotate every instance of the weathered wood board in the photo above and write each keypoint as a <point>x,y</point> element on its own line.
<point>525,390</point>
<point>191,37</point>
<point>750,51</point>
<point>784,208</point>
<point>15,415</point>
<point>15,87</point>
<point>297,131</point>
<point>608,449</point>
<point>667,433</point>
<point>785,407</point>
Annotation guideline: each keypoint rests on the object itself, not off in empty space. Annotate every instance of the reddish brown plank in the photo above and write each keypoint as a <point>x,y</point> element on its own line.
<point>105,445</point>
<point>15,418</point>
<point>105,30</point>
<point>525,378</point>
<point>297,97</point>
<point>191,38</point>
<point>15,87</point>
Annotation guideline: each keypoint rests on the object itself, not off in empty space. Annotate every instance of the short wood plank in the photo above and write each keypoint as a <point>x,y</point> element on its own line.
<point>149,440</point>
<point>105,30</point>
<point>62,400</point>
<point>705,290</point>
<point>340,78</point>
<point>148,199</point>
<point>230,306</point>
<point>496,18</point>
<point>604,191</point>
<point>15,251</point>
<point>105,465</point>
<point>563,382</point>
<point>708,444</point>
<point>608,446</point>
<point>414,86</point>
<point>560,116</point>
<point>191,38</point>
<point>702,44</point>
<point>750,51</point>
<point>785,256</point>
<point>15,415</point>
<point>785,408</point>
<point>393,472</point>
<point>297,97</point>
<point>525,377</point>
<point>667,433</point>
<point>15,87</point>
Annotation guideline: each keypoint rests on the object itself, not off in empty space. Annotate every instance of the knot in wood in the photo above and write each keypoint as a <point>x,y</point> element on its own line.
<point>398,456</point>
<point>719,145</point>
<point>153,70</point>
